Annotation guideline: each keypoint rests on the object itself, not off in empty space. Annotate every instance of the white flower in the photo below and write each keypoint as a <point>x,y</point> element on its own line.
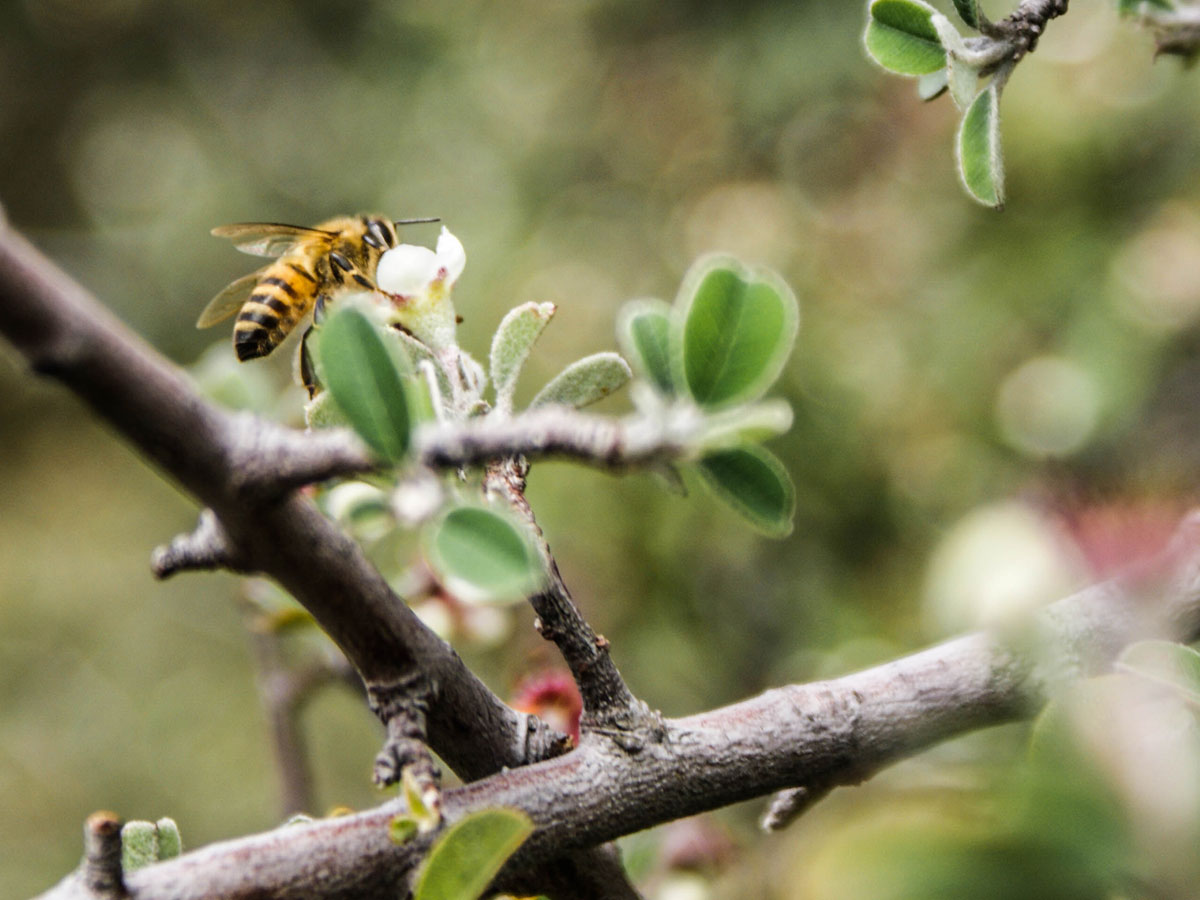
<point>409,269</point>
<point>418,281</point>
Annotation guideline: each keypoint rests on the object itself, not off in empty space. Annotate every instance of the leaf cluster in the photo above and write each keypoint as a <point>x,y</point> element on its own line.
<point>705,364</point>
<point>912,38</point>
<point>716,351</point>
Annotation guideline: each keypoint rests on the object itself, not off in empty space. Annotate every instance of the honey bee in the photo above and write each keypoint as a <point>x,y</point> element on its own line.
<point>313,264</point>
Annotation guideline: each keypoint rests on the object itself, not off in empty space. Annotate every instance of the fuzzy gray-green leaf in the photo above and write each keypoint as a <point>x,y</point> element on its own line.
<point>644,332</point>
<point>979,158</point>
<point>900,37</point>
<point>518,331</point>
<point>419,353</point>
<point>170,842</point>
<point>932,85</point>
<point>139,845</point>
<point>742,425</point>
<point>585,381</point>
<point>962,77</point>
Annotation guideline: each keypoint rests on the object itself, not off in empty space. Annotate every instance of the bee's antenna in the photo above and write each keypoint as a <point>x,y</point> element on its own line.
<point>417,221</point>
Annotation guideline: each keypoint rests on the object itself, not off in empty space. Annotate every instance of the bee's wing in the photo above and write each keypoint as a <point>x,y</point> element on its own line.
<point>268,238</point>
<point>229,301</point>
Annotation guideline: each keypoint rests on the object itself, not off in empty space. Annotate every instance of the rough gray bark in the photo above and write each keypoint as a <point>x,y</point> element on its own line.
<point>825,733</point>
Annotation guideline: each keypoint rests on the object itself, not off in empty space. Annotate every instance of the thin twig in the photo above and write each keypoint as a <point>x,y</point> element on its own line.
<point>102,862</point>
<point>608,703</point>
<point>550,431</point>
<point>284,690</point>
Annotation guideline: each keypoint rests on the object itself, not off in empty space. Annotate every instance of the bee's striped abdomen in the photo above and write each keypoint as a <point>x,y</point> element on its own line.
<point>280,299</point>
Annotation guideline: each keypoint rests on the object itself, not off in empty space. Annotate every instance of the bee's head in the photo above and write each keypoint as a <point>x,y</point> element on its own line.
<point>380,233</point>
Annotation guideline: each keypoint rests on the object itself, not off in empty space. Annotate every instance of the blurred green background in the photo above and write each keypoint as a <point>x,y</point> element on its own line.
<point>990,408</point>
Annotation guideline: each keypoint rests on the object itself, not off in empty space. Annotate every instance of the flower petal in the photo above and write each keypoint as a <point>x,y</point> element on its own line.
<point>407,269</point>
<point>452,256</point>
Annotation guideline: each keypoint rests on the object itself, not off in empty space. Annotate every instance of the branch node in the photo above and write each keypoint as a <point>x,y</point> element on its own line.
<point>787,806</point>
<point>208,547</point>
<point>270,460</point>
<point>632,727</point>
<point>403,706</point>
<point>543,741</point>
<point>102,872</point>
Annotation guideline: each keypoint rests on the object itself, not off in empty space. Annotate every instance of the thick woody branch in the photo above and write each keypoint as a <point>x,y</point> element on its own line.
<point>821,734</point>
<point>270,460</point>
<point>225,462</point>
<point>217,458</point>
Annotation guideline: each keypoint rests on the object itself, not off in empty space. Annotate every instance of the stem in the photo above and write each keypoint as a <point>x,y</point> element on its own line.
<point>608,704</point>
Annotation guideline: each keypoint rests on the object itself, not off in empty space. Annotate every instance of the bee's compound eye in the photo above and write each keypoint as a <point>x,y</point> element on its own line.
<point>383,232</point>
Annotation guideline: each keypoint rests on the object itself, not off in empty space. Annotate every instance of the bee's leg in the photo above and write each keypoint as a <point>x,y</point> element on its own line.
<point>308,372</point>
<point>319,310</point>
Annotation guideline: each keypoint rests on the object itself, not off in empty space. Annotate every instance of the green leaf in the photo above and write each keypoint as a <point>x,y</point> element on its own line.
<point>425,818</point>
<point>585,381</point>
<point>900,37</point>
<point>1167,663</point>
<point>511,345</point>
<point>968,11</point>
<point>139,845</point>
<point>979,160</point>
<point>644,333</point>
<point>170,842</point>
<point>365,381</point>
<point>483,552</point>
<point>402,829</point>
<point>754,483</point>
<point>734,331</point>
<point>467,857</point>
<point>963,81</point>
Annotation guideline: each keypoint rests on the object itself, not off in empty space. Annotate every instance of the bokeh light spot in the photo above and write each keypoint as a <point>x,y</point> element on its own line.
<point>1048,406</point>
